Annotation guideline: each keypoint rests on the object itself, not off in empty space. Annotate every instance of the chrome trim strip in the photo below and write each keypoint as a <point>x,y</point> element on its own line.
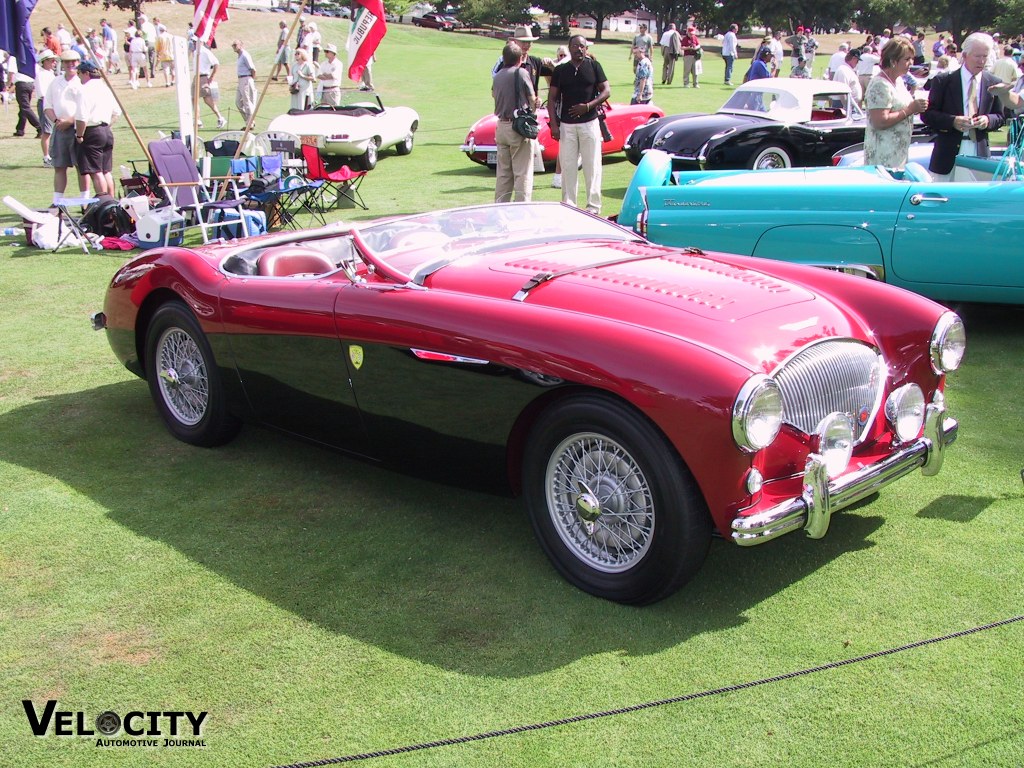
<point>813,509</point>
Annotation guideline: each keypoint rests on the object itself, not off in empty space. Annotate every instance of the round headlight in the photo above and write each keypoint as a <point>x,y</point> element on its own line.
<point>835,442</point>
<point>757,413</point>
<point>905,410</point>
<point>948,344</point>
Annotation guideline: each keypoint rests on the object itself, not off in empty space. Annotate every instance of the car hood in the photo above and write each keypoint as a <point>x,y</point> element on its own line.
<point>686,134</point>
<point>736,307</point>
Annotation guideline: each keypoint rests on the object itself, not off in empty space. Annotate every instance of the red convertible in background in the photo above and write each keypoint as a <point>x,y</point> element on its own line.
<point>621,119</point>
<point>637,396</point>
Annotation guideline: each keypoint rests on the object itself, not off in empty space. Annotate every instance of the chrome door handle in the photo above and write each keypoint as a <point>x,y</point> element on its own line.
<point>919,198</point>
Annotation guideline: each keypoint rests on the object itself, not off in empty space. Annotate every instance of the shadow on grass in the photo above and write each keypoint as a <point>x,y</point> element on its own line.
<point>444,575</point>
<point>957,508</point>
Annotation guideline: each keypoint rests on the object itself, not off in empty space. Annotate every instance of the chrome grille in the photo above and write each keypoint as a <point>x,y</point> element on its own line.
<point>829,376</point>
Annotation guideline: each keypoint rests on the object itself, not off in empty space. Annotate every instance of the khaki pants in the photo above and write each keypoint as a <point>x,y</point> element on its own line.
<point>579,144</point>
<point>515,165</point>
<point>689,70</point>
<point>668,66</point>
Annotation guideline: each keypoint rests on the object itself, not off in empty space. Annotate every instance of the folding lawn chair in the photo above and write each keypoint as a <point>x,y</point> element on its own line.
<point>186,192</point>
<point>344,181</point>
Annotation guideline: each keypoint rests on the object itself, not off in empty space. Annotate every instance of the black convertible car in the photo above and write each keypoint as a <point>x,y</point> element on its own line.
<point>771,123</point>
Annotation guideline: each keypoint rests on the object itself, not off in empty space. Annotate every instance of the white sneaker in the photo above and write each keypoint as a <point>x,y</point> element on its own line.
<point>222,122</point>
<point>556,181</point>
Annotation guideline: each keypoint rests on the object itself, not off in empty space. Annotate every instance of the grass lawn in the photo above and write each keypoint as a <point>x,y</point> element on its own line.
<point>316,606</point>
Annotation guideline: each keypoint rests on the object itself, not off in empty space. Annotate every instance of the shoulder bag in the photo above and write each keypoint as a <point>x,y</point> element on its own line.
<point>524,119</point>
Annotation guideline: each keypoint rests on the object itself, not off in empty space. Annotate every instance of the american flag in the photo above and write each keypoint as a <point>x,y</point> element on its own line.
<point>209,13</point>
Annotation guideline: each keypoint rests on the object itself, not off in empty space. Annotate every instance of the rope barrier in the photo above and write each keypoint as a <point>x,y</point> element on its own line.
<point>650,704</point>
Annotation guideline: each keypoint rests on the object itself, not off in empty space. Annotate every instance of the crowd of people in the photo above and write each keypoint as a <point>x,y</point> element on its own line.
<point>964,95</point>
<point>71,107</point>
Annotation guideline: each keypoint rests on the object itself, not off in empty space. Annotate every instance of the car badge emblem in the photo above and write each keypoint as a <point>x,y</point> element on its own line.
<point>355,354</point>
<point>862,415</point>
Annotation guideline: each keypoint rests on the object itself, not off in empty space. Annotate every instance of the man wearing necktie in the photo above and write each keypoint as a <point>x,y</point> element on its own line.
<point>961,108</point>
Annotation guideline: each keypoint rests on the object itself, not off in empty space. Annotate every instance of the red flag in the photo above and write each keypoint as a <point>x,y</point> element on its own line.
<point>209,13</point>
<point>367,30</point>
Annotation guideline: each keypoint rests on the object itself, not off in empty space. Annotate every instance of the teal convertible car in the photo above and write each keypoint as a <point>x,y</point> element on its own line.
<point>951,241</point>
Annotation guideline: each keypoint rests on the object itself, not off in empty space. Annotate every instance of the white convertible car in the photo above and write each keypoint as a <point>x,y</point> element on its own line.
<point>356,130</point>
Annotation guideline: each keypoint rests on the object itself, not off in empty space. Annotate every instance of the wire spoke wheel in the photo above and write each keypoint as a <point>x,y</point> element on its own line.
<point>600,502</point>
<point>182,376</point>
<point>184,379</point>
<point>611,502</point>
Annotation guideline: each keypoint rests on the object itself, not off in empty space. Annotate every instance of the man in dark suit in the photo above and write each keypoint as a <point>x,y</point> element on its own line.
<point>961,108</point>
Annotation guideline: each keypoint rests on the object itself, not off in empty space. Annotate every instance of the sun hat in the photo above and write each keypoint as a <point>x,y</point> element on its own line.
<point>330,48</point>
<point>70,55</point>
<point>523,35</point>
<point>46,55</point>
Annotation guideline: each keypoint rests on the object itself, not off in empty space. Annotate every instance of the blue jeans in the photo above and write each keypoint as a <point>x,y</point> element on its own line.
<point>729,61</point>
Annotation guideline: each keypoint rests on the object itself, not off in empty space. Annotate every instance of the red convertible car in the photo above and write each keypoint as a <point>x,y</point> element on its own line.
<point>621,119</point>
<point>637,396</point>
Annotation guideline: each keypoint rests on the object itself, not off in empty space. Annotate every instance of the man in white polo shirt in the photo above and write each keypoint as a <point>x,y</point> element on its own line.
<point>95,111</point>
<point>245,98</point>
<point>60,104</point>
<point>330,77</point>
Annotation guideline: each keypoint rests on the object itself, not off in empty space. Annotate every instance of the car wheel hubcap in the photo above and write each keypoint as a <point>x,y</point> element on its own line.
<point>182,374</point>
<point>772,160</point>
<point>600,502</point>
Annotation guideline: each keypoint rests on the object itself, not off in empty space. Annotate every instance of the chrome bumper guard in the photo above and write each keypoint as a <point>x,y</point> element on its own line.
<point>813,509</point>
<point>478,148</point>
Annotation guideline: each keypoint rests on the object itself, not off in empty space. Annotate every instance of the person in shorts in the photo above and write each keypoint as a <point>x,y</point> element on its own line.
<point>95,111</point>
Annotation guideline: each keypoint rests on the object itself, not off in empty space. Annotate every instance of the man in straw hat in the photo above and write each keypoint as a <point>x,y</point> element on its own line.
<point>330,76</point>
<point>61,102</point>
<point>534,65</point>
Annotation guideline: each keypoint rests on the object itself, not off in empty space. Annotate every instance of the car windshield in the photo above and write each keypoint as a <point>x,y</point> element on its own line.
<point>420,244</point>
<point>778,105</point>
<point>354,98</point>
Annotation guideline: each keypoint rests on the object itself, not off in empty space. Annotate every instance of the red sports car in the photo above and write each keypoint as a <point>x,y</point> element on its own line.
<point>621,119</point>
<point>637,396</point>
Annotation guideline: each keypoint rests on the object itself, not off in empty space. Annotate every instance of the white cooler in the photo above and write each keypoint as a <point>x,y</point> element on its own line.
<point>153,226</point>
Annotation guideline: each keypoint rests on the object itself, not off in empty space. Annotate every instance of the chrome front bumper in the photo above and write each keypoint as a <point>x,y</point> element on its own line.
<point>813,509</point>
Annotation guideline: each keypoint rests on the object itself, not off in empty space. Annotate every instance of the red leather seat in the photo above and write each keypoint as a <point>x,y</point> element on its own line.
<point>288,260</point>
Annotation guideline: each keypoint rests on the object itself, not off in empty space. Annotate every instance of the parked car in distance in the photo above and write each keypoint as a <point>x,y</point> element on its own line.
<point>776,122</point>
<point>636,396</point>
<point>481,146</point>
<point>945,240</point>
<point>433,21</point>
<point>356,131</point>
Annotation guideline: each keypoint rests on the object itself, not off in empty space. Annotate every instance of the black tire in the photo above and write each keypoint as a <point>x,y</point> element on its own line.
<point>404,147</point>
<point>643,545</point>
<point>368,160</point>
<point>771,155</point>
<point>184,379</point>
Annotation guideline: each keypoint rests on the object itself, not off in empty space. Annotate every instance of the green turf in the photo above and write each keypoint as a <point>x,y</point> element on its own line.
<point>316,606</point>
